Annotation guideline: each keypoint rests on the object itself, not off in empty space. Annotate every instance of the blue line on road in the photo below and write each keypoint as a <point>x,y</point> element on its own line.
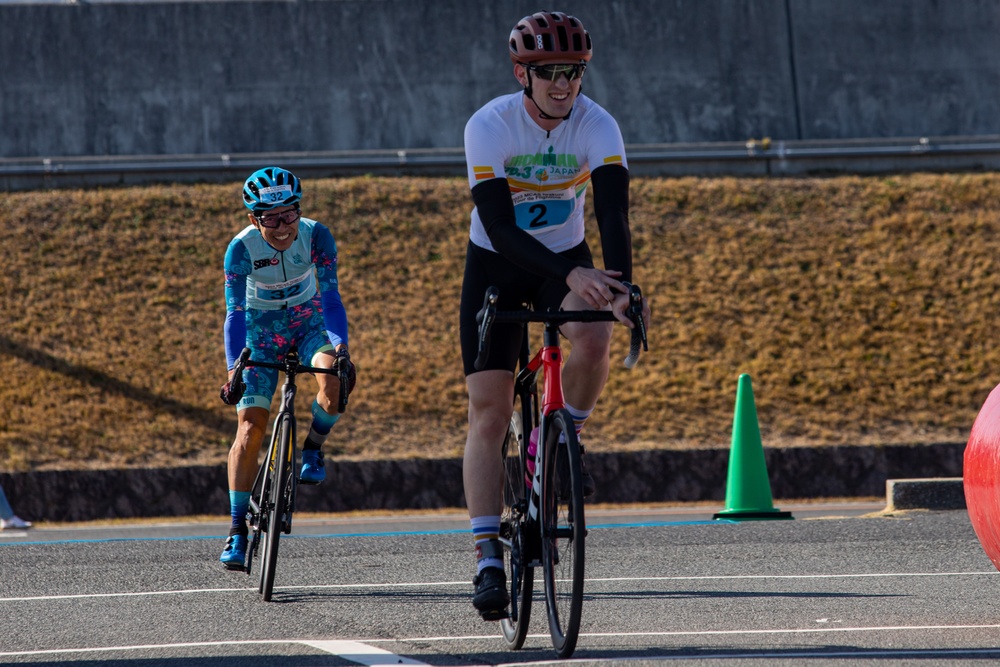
<point>394,533</point>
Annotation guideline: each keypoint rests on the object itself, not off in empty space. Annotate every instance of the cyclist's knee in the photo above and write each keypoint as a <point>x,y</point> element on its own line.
<point>251,427</point>
<point>491,397</point>
<point>488,419</point>
<point>593,340</point>
<point>329,395</point>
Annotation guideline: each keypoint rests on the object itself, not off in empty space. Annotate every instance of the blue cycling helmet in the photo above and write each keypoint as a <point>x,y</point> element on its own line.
<point>271,187</point>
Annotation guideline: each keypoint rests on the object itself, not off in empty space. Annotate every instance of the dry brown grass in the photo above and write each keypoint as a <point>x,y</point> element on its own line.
<point>863,309</point>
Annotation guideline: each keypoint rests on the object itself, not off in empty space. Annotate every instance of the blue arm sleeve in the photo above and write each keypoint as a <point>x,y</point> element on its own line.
<point>334,317</point>
<point>237,268</point>
<point>324,255</point>
<point>235,330</point>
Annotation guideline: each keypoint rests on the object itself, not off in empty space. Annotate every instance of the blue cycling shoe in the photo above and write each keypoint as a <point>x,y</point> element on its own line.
<point>313,469</point>
<point>235,553</point>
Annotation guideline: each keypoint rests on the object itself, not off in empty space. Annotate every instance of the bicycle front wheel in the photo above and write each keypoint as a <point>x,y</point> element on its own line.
<point>563,532</point>
<point>275,511</point>
<point>521,577</point>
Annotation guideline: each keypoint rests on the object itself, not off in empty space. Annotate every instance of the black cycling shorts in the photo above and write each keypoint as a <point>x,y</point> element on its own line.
<point>518,289</point>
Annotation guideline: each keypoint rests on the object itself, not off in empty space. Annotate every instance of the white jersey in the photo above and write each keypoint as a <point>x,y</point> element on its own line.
<point>548,172</point>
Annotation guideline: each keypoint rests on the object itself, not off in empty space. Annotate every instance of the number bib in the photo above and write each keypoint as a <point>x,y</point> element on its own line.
<point>543,210</point>
<point>278,293</point>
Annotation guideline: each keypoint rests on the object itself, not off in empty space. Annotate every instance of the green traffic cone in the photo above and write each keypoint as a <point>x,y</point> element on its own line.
<point>748,489</point>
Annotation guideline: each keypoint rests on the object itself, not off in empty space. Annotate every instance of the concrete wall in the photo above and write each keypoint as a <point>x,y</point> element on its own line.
<point>152,78</point>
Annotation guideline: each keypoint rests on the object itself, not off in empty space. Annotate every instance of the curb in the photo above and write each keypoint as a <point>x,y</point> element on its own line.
<point>947,493</point>
<point>649,476</point>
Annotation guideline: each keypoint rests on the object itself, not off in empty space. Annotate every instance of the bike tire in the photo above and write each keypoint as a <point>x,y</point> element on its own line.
<point>258,496</point>
<point>563,532</point>
<point>265,480</point>
<point>276,510</point>
<point>520,576</point>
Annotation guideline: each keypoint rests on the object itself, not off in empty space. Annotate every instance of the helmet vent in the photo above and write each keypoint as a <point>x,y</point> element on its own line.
<point>564,39</point>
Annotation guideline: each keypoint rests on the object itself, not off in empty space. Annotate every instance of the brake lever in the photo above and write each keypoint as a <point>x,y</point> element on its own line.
<point>484,318</point>
<point>639,330</point>
<point>342,375</point>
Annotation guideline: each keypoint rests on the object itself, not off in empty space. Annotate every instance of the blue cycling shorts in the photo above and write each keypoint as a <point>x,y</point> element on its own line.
<point>270,334</point>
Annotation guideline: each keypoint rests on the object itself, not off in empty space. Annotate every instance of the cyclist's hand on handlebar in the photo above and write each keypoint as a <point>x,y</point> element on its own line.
<point>620,307</point>
<point>352,371</point>
<point>232,392</point>
<point>597,287</point>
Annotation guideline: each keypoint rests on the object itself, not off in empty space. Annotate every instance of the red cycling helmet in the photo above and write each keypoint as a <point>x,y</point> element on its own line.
<point>548,36</point>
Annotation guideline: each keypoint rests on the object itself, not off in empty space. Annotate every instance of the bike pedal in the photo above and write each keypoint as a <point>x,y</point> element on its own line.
<point>497,615</point>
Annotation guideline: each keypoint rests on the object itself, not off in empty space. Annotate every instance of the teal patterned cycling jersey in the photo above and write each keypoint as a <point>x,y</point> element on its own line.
<point>274,279</point>
<point>288,284</point>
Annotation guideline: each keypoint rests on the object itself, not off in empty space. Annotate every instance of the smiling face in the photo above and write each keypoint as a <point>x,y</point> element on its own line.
<point>553,98</point>
<point>282,236</point>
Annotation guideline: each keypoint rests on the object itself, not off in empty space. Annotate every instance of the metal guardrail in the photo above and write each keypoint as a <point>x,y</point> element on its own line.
<point>753,157</point>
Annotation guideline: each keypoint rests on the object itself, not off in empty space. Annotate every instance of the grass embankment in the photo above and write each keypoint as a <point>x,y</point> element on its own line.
<point>863,309</point>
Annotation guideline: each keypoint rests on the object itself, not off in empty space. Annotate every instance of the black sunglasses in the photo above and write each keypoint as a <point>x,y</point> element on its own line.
<point>274,220</point>
<point>553,72</point>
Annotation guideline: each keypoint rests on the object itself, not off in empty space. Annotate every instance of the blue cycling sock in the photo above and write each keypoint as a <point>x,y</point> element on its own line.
<point>322,422</point>
<point>239,503</point>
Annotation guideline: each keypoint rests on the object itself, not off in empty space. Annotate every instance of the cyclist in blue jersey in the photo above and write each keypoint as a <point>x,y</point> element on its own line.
<point>531,157</point>
<point>281,290</point>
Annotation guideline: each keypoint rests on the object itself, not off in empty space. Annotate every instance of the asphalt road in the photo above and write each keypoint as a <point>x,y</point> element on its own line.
<point>836,586</point>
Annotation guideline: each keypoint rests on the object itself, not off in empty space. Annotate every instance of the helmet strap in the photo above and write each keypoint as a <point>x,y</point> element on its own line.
<point>530,93</point>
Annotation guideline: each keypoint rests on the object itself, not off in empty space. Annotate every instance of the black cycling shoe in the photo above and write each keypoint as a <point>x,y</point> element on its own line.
<point>491,598</point>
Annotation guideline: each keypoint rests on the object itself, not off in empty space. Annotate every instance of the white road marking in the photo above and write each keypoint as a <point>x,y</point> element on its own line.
<point>359,650</point>
<point>361,653</point>
<point>445,584</point>
<point>354,651</point>
<point>802,576</point>
<point>763,655</point>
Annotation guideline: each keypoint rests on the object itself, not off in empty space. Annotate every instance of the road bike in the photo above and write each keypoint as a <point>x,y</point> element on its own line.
<point>272,497</point>
<point>542,520</point>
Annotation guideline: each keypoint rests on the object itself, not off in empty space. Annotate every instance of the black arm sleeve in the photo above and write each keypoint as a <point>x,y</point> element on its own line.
<point>611,209</point>
<point>496,210</point>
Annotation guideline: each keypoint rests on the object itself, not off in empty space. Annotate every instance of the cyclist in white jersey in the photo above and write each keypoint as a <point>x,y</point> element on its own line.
<point>281,290</point>
<point>531,157</point>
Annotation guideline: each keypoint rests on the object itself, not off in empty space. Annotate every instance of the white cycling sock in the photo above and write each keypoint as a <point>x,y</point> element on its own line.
<point>484,529</point>
<point>579,417</point>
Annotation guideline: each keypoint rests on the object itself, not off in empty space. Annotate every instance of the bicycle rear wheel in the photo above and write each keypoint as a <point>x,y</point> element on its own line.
<point>275,510</point>
<point>521,577</point>
<point>563,532</point>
